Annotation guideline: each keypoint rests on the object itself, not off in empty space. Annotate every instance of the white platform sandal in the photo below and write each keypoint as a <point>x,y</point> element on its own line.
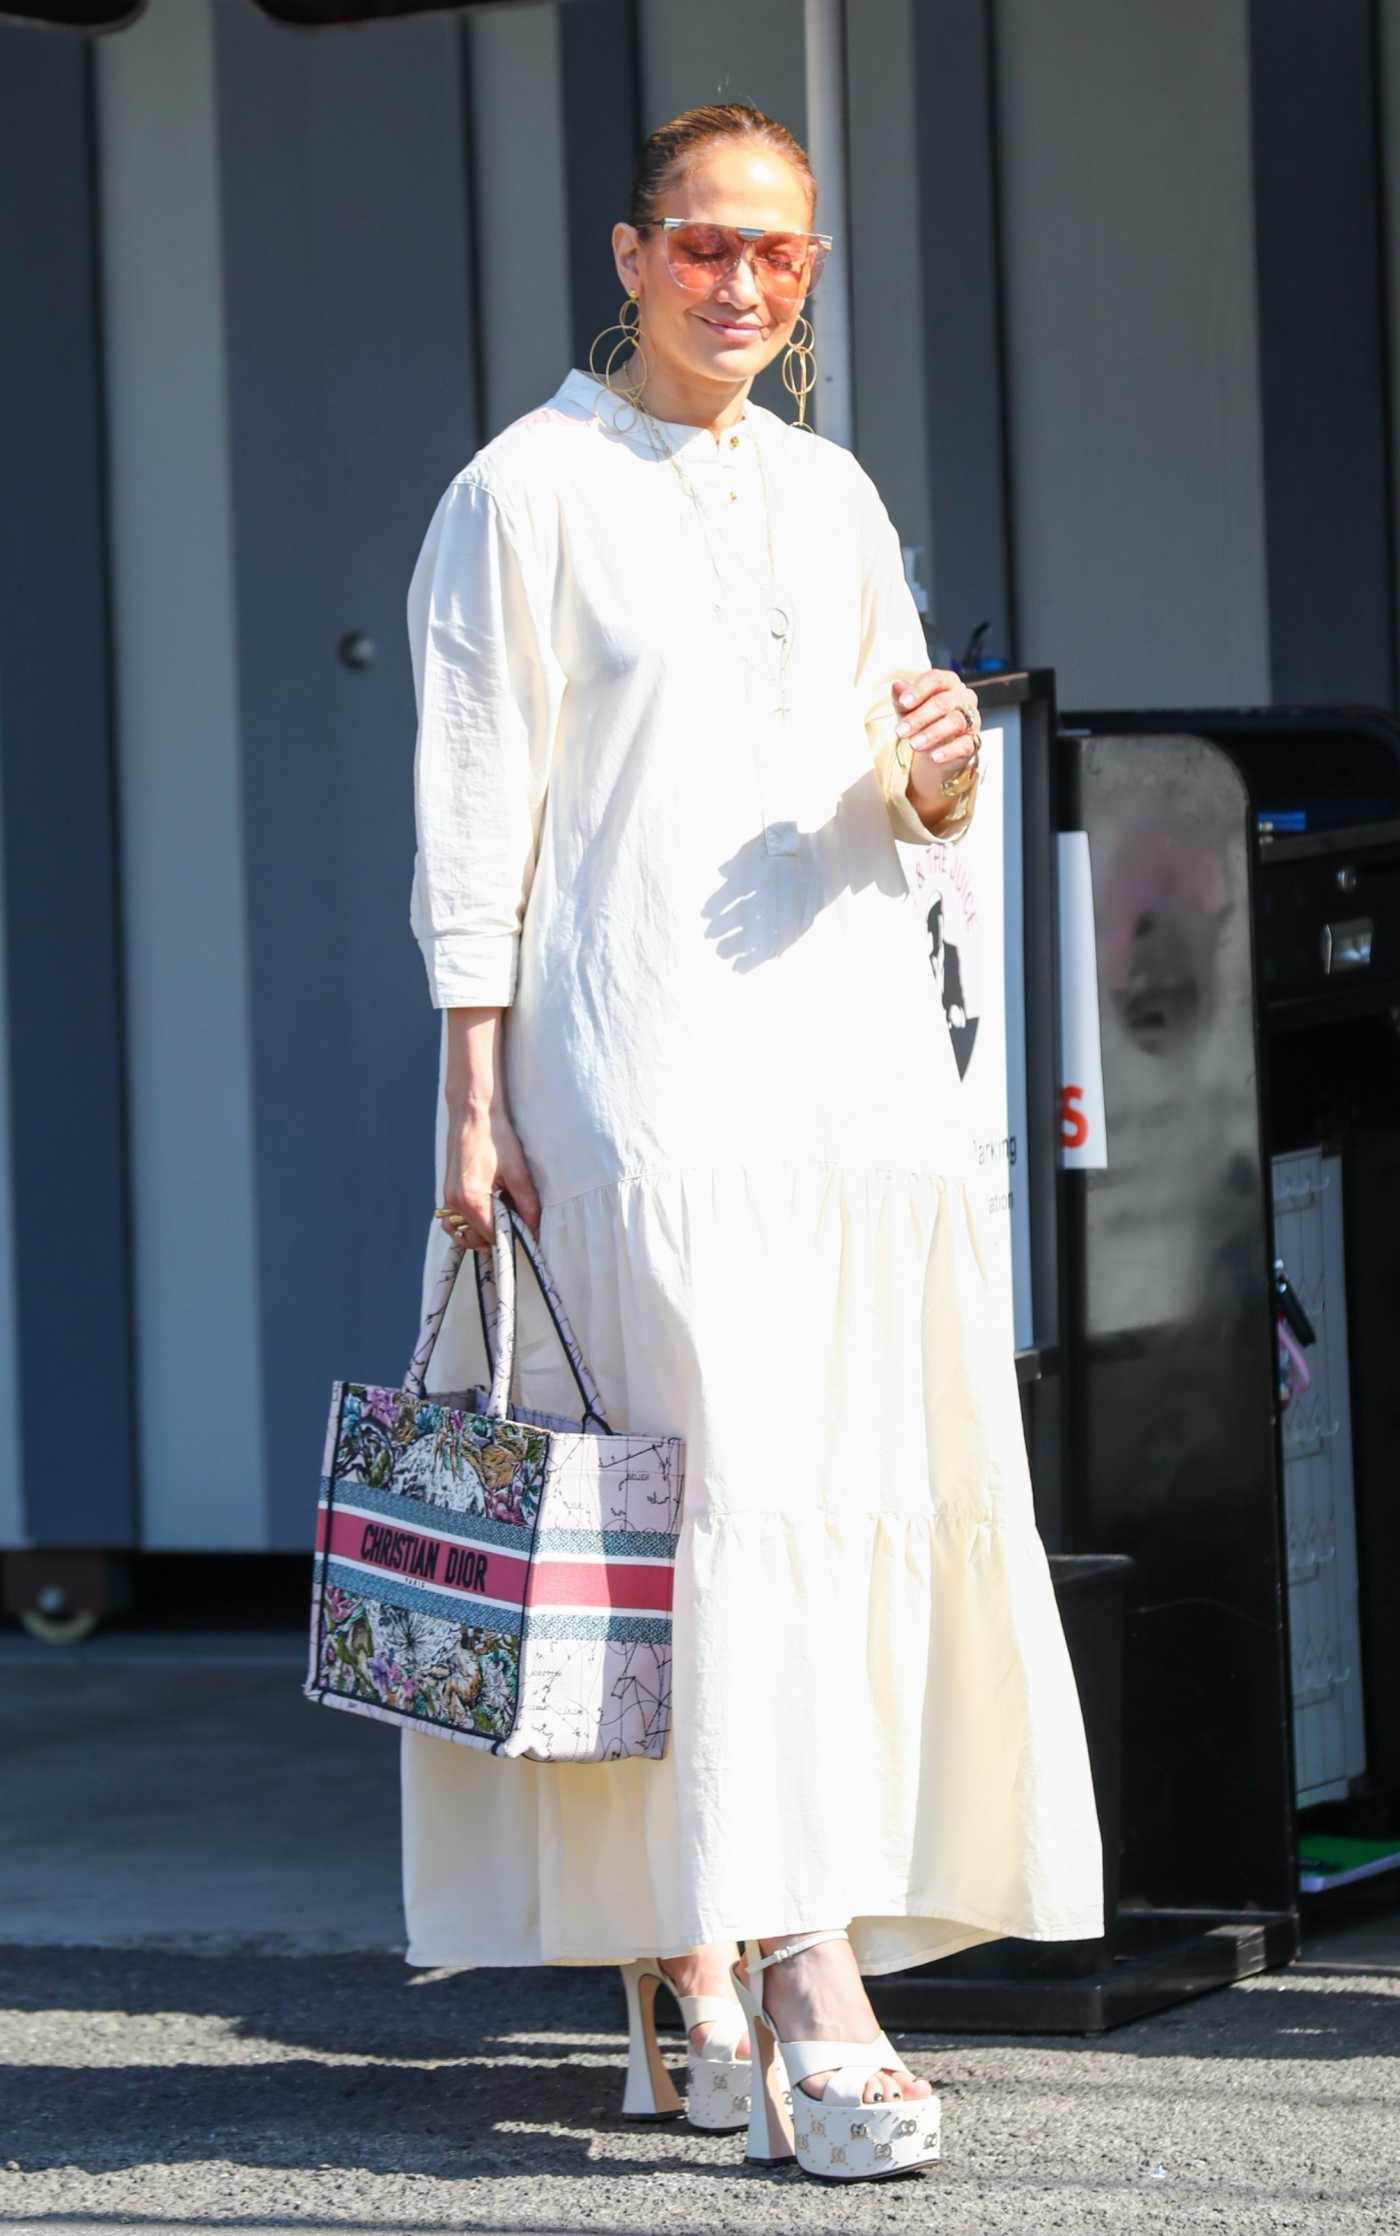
<point>836,2136</point>
<point>717,2081</point>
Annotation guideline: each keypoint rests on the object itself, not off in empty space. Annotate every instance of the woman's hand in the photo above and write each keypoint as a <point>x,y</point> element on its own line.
<point>939,728</point>
<point>483,1148</point>
<point>484,1154</point>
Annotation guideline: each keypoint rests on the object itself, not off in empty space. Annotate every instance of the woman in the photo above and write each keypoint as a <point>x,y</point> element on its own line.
<point>674,712</point>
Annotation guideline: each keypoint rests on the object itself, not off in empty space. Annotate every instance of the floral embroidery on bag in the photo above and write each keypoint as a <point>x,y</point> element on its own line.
<point>446,1672</point>
<point>464,1461</point>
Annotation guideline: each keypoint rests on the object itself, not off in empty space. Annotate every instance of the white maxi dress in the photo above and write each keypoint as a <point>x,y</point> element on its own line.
<point>729,1068</point>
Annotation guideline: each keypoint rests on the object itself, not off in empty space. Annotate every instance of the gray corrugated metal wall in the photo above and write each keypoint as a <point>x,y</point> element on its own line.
<point>66,1446</point>
<point>1132,346</point>
<point>332,265</point>
<point>290,387</point>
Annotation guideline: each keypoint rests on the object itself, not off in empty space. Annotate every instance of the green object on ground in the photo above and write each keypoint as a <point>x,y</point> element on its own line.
<point>1329,1859</point>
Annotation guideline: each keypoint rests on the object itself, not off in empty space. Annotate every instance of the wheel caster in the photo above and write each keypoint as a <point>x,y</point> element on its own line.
<point>60,1630</point>
<point>62,1592</point>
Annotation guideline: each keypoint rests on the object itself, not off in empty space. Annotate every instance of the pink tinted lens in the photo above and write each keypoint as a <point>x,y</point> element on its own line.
<point>785,265</point>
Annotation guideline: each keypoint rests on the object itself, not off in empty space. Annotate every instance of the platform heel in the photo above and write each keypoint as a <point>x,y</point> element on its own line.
<point>717,2081</point>
<point>770,2139</point>
<point>650,2093</point>
<point>837,2136</point>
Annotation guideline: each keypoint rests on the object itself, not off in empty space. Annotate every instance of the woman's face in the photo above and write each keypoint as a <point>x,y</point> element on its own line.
<point>729,334</point>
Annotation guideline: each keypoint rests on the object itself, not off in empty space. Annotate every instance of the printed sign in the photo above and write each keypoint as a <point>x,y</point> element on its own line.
<point>969,898</point>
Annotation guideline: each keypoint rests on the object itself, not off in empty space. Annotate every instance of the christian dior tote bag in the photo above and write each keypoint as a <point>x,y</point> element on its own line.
<point>499,1577</point>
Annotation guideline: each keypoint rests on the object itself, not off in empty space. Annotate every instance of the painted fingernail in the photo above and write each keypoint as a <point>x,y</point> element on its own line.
<point>901,729</point>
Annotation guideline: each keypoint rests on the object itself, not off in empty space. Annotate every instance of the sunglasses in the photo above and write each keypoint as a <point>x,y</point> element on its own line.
<point>785,266</point>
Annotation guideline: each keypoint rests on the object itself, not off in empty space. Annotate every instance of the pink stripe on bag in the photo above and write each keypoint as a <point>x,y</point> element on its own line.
<point>421,1557</point>
<point>640,1587</point>
<point>635,1585</point>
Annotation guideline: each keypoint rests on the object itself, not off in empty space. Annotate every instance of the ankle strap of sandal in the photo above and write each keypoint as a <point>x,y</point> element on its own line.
<point>795,1948</point>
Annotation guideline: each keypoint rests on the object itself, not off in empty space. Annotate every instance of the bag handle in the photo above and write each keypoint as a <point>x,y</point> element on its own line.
<point>495,1284</point>
<point>496,1293</point>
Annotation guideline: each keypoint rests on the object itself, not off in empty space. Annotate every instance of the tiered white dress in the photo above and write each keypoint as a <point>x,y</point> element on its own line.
<point>729,1067</point>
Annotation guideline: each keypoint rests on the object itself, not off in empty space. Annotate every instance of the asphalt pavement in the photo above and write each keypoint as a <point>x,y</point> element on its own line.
<point>206,2023</point>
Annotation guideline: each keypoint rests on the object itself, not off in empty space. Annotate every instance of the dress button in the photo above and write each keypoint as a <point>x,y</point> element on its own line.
<point>733,442</point>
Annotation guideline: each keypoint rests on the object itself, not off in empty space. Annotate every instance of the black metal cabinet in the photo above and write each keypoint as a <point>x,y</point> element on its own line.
<point>1252,940</point>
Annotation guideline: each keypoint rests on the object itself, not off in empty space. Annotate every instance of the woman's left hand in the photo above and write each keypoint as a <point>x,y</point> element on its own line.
<point>938,729</point>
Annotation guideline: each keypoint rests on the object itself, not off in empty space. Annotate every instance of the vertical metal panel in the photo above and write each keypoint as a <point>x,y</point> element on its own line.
<point>1322,350</point>
<point>728,50</point>
<point>350,408</point>
<point>832,404</point>
<point>183,874</point>
<point>522,214</point>
<point>64,1327</point>
<point>887,281</point>
<point>953,320</point>
<point>601,95</point>
<point>1388,133</point>
<point>14,1526</point>
<point>1132,348</point>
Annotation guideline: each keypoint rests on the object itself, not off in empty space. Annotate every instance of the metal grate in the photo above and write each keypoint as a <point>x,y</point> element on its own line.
<point>1318,1488</point>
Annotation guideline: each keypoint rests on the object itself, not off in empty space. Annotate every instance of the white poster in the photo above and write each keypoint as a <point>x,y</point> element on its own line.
<point>969,898</point>
<point>1083,1133</point>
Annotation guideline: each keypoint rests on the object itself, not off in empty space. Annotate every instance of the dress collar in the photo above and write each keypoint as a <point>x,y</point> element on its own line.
<point>694,444</point>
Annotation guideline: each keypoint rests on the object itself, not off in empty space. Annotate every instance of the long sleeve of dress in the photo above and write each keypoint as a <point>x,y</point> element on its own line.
<point>489,690</point>
<point>892,639</point>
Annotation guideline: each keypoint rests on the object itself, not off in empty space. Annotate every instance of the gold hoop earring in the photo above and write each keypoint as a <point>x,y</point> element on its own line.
<point>800,370</point>
<point>630,331</point>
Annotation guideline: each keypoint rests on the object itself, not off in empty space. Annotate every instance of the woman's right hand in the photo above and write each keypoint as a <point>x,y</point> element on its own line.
<point>483,1154</point>
<point>483,1148</point>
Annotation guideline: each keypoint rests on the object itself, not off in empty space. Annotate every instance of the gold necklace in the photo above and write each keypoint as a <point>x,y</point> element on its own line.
<point>779,617</point>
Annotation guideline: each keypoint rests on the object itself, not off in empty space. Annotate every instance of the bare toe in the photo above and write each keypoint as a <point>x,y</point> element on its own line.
<point>893,2087</point>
